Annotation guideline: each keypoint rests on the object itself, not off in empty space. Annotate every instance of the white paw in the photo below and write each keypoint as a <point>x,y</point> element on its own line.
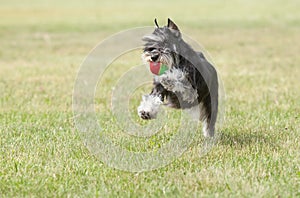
<point>206,131</point>
<point>149,107</point>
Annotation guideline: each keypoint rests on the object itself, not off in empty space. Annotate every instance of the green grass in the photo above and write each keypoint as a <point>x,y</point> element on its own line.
<point>255,46</point>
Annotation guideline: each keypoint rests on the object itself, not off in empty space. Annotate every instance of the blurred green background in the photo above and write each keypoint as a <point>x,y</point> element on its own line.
<point>255,46</point>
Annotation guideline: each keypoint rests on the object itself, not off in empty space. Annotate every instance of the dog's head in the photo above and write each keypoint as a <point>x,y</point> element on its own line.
<point>162,45</point>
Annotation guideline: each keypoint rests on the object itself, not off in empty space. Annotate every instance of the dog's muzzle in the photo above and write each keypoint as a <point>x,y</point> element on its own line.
<point>154,57</point>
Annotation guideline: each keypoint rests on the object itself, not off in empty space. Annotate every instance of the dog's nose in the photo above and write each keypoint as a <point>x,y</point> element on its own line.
<point>154,57</point>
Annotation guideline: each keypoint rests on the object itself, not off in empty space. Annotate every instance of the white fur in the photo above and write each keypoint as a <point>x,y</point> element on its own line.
<point>205,129</point>
<point>175,80</point>
<point>166,59</point>
<point>146,57</point>
<point>174,46</point>
<point>150,104</point>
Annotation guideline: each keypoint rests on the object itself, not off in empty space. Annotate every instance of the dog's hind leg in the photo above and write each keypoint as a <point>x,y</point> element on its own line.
<point>209,113</point>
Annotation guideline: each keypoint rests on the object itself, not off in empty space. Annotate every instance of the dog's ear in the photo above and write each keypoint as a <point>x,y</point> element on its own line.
<point>172,25</point>
<point>155,21</point>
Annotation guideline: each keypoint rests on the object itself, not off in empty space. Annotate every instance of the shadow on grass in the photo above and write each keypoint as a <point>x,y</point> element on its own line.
<point>245,139</point>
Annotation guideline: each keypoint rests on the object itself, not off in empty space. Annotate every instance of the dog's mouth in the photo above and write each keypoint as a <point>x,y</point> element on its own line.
<point>156,64</point>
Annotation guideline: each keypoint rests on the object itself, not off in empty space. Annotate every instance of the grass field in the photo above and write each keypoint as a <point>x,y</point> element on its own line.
<point>255,46</point>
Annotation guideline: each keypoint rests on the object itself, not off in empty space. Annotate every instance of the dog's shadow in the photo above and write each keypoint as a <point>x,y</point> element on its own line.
<point>245,139</point>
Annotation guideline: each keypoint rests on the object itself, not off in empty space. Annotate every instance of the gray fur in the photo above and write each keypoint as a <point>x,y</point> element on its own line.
<point>175,80</point>
<point>191,80</point>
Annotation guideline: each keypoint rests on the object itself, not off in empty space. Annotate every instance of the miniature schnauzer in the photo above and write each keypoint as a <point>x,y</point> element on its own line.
<point>190,79</point>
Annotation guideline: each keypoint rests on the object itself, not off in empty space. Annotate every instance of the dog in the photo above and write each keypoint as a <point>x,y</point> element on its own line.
<point>190,79</point>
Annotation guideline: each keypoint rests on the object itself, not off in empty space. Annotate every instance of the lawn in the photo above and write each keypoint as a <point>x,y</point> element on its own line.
<point>255,46</point>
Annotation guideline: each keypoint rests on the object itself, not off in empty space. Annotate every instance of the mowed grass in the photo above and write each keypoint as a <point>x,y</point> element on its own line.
<point>254,45</point>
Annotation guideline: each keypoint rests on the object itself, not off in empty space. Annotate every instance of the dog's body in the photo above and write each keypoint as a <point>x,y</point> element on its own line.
<point>190,80</point>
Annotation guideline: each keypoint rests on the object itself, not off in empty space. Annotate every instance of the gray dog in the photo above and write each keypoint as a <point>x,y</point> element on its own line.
<point>188,81</point>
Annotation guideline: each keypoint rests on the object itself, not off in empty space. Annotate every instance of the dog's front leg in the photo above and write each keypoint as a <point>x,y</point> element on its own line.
<point>150,104</point>
<point>175,80</point>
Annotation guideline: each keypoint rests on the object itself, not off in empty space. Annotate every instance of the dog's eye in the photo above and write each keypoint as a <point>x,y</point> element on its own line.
<point>166,50</point>
<point>150,49</point>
